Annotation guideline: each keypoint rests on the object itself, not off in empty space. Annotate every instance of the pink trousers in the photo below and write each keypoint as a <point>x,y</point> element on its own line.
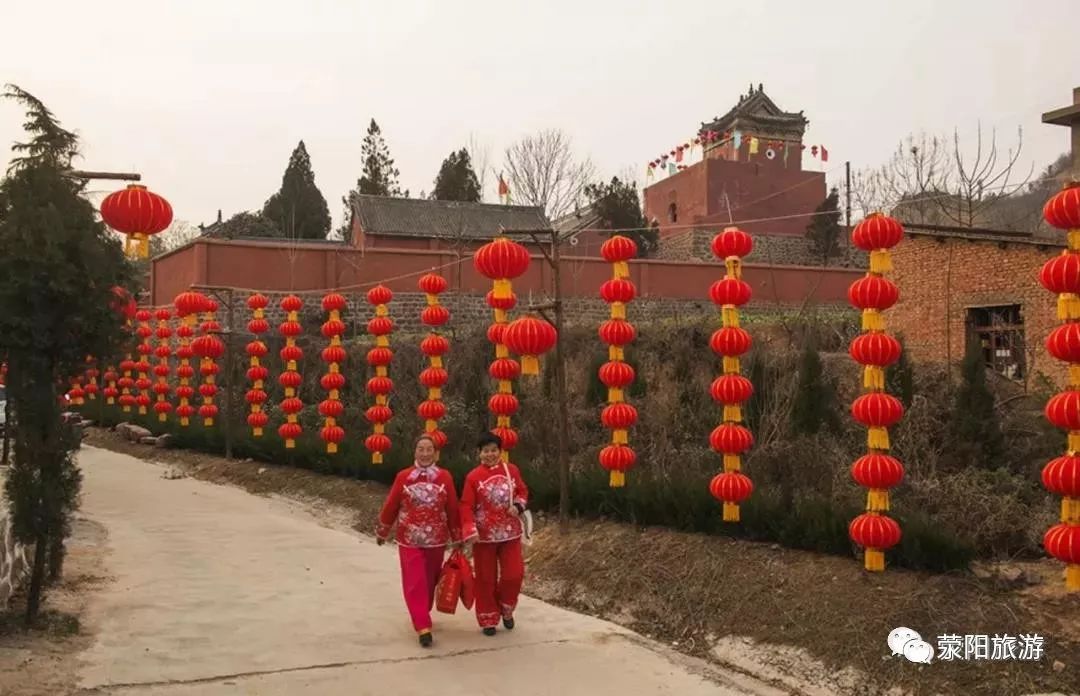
<point>419,575</point>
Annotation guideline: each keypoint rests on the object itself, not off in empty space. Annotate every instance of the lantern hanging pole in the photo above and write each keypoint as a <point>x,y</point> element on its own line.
<point>115,176</point>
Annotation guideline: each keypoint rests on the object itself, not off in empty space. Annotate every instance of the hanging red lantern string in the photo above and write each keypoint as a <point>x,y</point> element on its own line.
<point>143,383</point>
<point>208,347</point>
<point>333,355</point>
<point>731,389</point>
<point>501,261</point>
<point>161,388</point>
<point>290,378</point>
<point>1061,476</point>
<point>110,391</point>
<point>380,385</point>
<point>92,374</point>
<point>257,373</point>
<point>618,416</point>
<point>126,382</point>
<point>875,350</point>
<point>75,394</point>
<point>187,306</point>
<point>434,346</point>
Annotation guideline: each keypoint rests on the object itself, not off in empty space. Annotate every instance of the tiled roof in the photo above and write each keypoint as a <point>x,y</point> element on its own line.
<point>415,217</point>
<point>756,108</point>
<point>585,218</point>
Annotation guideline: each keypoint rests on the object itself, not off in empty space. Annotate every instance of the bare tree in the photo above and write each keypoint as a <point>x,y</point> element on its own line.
<point>930,179</point>
<point>179,233</point>
<point>480,156</point>
<point>543,171</point>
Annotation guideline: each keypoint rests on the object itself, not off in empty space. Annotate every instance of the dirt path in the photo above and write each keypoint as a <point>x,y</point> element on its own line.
<point>215,591</point>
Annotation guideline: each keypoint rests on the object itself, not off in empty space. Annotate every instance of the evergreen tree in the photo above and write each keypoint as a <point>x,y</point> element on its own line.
<point>824,228</point>
<point>815,405</point>
<point>618,206</point>
<point>456,180</point>
<point>974,426</point>
<point>299,208</point>
<point>380,177</point>
<point>900,377</point>
<point>59,266</point>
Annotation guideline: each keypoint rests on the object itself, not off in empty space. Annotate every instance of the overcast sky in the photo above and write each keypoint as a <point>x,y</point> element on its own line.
<point>208,99</point>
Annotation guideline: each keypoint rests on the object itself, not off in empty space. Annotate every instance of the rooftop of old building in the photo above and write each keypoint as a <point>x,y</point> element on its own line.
<point>756,110</point>
<point>414,217</point>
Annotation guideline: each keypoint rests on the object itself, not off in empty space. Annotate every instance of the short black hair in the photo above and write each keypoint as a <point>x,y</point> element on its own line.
<point>489,439</point>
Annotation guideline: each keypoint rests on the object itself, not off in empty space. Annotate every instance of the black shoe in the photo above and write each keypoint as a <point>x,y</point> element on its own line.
<point>489,631</point>
<point>426,639</point>
<point>509,623</point>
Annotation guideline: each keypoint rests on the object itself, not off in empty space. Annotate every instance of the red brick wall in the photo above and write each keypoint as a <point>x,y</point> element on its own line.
<point>940,280</point>
<point>754,190</point>
<point>272,267</point>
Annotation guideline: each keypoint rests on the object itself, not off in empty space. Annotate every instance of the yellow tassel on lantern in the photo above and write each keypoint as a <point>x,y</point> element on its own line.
<point>1074,376</point>
<point>616,353</point>
<point>504,455</point>
<point>620,269</point>
<point>530,365</point>
<point>733,266</point>
<point>880,262</point>
<point>501,289</point>
<point>432,300</point>
<point>877,500</point>
<point>616,479</point>
<point>729,315</point>
<point>874,560</point>
<point>1068,307</point>
<point>1074,442</point>
<point>1070,510</point>
<point>1073,240</point>
<point>1072,578</point>
<point>872,320</point>
<point>382,341</point>
<point>290,444</point>
<point>500,316</point>
<point>501,351</point>
<point>877,438</point>
<point>618,310</point>
<point>376,457</point>
<point>731,365</point>
<point>731,512</point>
<point>382,310</point>
<point>435,393</point>
<point>331,448</point>
<point>436,361</point>
<point>502,422</point>
<point>379,428</point>
<point>618,437</point>
<point>874,378</point>
<point>506,386</point>
<point>733,413</point>
<point>430,426</point>
<point>615,395</point>
<point>731,462</point>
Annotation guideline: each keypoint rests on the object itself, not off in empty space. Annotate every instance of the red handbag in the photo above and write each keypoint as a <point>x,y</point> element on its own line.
<point>468,589</point>
<point>448,591</point>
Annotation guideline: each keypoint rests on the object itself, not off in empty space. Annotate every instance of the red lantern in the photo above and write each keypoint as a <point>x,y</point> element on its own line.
<point>434,344</point>
<point>873,292</point>
<point>730,291</point>
<point>435,315</point>
<point>731,488</point>
<point>257,420</point>
<point>377,444</point>
<point>431,410</point>
<point>508,436</point>
<point>504,369</point>
<point>503,404</point>
<point>731,389</point>
<point>1061,274</point>
<point>1064,343</point>
<point>1062,476</point>
<point>503,303</point>
<point>616,375</point>
<point>877,410</point>
<point>137,213</point>
<point>380,386</point>
<point>1063,410</point>
<point>378,414</point>
<point>290,379</point>
<point>876,349</point>
<point>617,290</point>
<point>619,417</point>
<point>501,260</point>
<point>292,303</point>
<point>875,533</point>
<point>379,295</point>
<point>432,284</point>
<point>380,326</point>
<point>877,472</point>
<point>333,354</point>
<point>617,332</point>
<point>495,333</point>
<point>290,432</point>
<point>731,439</point>
<point>1063,209</point>
<point>380,356</point>
<point>877,232</point>
<point>730,341</point>
<point>1062,541</point>
<point>257,301</point>
<point>617,458</point>
<point>332,381</point>
<point>732,242</point>
<point>433,377</point>
<point>530,337</point>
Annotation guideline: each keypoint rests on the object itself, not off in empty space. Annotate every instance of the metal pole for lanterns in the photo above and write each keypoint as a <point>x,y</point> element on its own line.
<point>117,176</point>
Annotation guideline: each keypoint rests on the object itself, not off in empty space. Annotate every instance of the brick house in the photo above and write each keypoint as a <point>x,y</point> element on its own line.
<point>960,286</point>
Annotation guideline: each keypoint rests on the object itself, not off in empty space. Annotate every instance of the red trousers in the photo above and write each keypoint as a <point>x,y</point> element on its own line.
<point>499,570</point>
<point>419,575</point>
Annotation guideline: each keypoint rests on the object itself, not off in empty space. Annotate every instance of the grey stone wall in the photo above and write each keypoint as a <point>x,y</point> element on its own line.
<point>696,245</point>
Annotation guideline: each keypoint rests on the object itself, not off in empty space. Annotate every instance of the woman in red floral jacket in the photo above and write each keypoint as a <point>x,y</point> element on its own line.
<point>424,503</point>
<point>492,502</point>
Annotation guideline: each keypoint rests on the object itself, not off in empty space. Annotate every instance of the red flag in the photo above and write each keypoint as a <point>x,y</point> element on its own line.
<point>824,154</point>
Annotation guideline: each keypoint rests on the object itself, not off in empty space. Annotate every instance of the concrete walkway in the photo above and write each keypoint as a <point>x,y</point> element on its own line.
<point>216,591</point>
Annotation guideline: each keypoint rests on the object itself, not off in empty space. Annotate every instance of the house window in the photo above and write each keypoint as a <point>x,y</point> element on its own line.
<point>672,213</point>
<point>1000,334</point>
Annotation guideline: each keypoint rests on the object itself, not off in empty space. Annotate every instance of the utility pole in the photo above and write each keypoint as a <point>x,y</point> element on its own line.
<point>556,305</point>
<point>847,190</point>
